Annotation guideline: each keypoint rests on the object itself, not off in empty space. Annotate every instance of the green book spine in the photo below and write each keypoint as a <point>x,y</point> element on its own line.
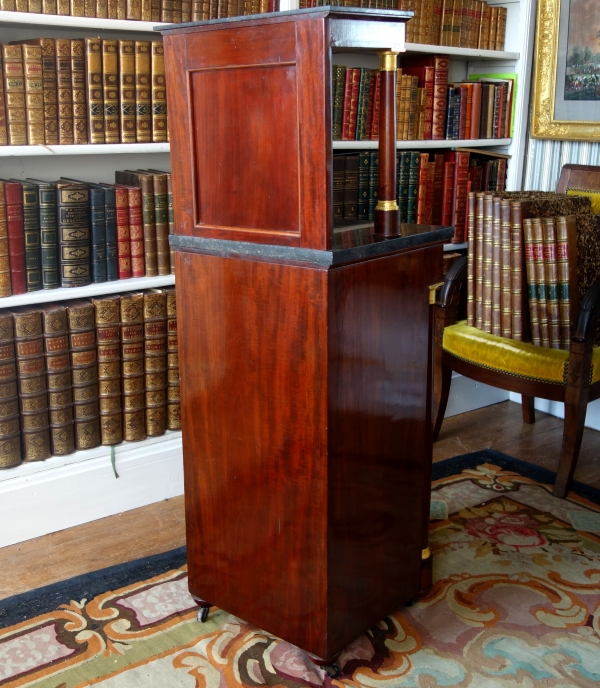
<point>373,182</point>
<point>413,187</point>
<point>33,244</point>
<point>339,77</point>
<point>73,209</point>
<point>363,104</point>
<point>403,184</point>
<point>363,185</point>
<point>49,236</point>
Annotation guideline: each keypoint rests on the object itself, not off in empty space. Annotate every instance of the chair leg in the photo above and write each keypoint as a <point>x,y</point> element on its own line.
<point>575,410</point>
<point>441,392</point>
<point>528,408</point>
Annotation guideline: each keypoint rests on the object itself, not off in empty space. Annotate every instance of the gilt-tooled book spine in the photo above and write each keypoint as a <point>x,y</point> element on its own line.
<point>48,234</point>
<point>108,334</point>
<point>132,356</point>
<point>459,205</point>
<point>89,8</point>
<point>31,372</point>
<point>146,10</point>
<point>505,270</point>
<point>13,195</point>
<point>496,267</point>
<point>73,204</point>
<point>339,78</point>
<point>566,237</point>
<point>63,7</point>
<point>84,372</point>
<point>110,218</point>
<point>363,104</point>
<point>102,9</point>
<point>518,213</point>
<point>155,10</point>
<point>50,89</point>
<point>413,187</point>
<point>471,260</point>
<point>404,166</point>
<point>110,85</point>
<point>31,231</point>
<point>143,92</point>
<point>98,233</point>
<point>155,361</point>
<point>58,376</point>
<point>422,210</point>
<point>479,239</point>
<point>374,129</point>
<point>64,91</point>
<point>501,31</point>
<point>159,93</point>
<point>345,124</point>
<point>8,5</point>
<point>14,93</point>
<point>161,215</point>
<point>77,8</point>
<point>34,6</point>
<point>373,182</point>
<point>362,208</point>
<point>177,10</point>
<point>488,221</point>
<point>95,100</point>
<point>80,134</point>
<point>146,183</point>
<point>551,276</point>
<point>123,240</point>
<point>540,279</point>
<point>166,12</point>
<point>112,9</point>
<point>3,132</point>
<point>136,232</point>
<point>339,171</point>
<point>134,9</point>
<point>171,208</point>
<point>127,90</point>
<point>440,95</point>
<point>186,11</point>
<point>532,289</point>
<point>351,187</point>
<point>5,289</point>
<point>173,382</point>
<point>21,5</point>
<point>10,425</point>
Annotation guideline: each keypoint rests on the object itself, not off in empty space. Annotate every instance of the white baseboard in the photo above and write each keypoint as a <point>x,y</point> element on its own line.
<point>557,408</point>
<point>45,497</point>
<point>468,395</point>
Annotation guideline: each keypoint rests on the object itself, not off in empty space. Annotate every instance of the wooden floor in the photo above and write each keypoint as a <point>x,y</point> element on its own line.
<point>160,527</point>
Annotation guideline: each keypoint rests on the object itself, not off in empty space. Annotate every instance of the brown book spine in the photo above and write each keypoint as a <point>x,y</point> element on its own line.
<point>63,8</point>
<point>148,214</point>
<point>186,11</point>
<point>136,232</point>
<point>8,5</point>
<point>159,94</point>
<point>80,134</point>
<point>50,89</point>
<point>10,425</point>
<point>95,100</point>
<point>21,6</point>
<point>479,241</point>
<point>161,220</point>
<point>484,30</point>
<point>166,13</point>
<point>64,91</point>
<point>143,92</point>
<point>517,214</point>
<point>3,122</point>
<point>440,96</point>
<point>5,288</point>
<point>456,22</point>
<point>112,9</point>
<point>132,357</point>
<point>501,30</point>
<point>102,9</point>
<point>447,194</point>
<point>84,371</point>
<point>171,210</point>
<point>134,9</point>
<point>496,267</point>
<point>534,317</point>
<point>123,238</point>
<point>446,23</point>
<point>34,93</point>
<point>127,90</point>
<point>110,80</point>
<point>173,390</point>
<point>77,8</point>
<point>155,361</point>
<point>551,278</point>
<point>108,334</point>
<point>488,222</point>
<point>475,111</point>
<point>471,260</point>
<point>493,27</point>
<point>540,279</point>
<point>505,274</point>
<point>34,6</point>
<point>155,10</point>
<point>14,93</point>
<point>146,10</point>
<point>121,9</point>
<point>33,394</point>
<point>566,237</point>
<point>422,210</point>
<point>459,205</point>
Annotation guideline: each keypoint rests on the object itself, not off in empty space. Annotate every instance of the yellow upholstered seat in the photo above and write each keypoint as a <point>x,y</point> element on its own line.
<point>520,359</point>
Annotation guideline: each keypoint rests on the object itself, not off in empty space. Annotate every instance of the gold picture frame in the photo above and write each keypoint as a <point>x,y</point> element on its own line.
<point>544,121</point>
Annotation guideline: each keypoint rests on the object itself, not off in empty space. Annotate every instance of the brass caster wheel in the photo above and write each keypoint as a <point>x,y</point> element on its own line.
<point>332,670</point>
<point>202,614</point>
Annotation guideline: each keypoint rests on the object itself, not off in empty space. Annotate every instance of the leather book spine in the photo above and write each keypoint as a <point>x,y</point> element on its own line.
<point>489,131</point>
<point>31,232</point>
<point>5,289</point>
<point>161,218</point>
<point>34,6</point>
<point>64,91</point>
<point>531,282</point>
<point>148,213</point>
<point>177,11</point>
<point>186,11</point>
<point>339,171</point>
<point>108,335</point>
<point>353,112</point>
<point>566,237</point>
<point>471,260</point>
<point>167,11</point>
<point>403,185</point>
<point>77,8</point>
<point>339,79</point>
<point>540,279</point>
<point>438,189</point>
<point>16,236</point>
<point>345,124</point>
<point>134,10</point>
<point>173,389</point>
<point>8,5</point>
<point>10,425</point>
<point>21,5</point>
<point>112,9</point>
<point>456,23</point>
<point>413,187</point>
<point>484,28</point>
<point>171,214</point>
<point>440,94</point>
<point>111,87</point>
<point>351,187</point>
<point>485,102</point>
<point>121,9</point>
<point>422,209</point>
<point>398,107</point>
<point>519,324</point>
<point>33,395</point>
<point>159,93</point>
<point>14,94</point>
<point>436,22</point>
<point>498,108</point>
<point>102,9</point>
<point>459,205</point>
<point>505,269</point>
<point>3,122</point>
<point>58,375</point>
<point>450,113</point>
<point>462,113</point>
<point>123,240</point>
<point>155,361</point>
<point>49,235</point>
<point>143,92</point>
<point>89,8</point>
<point>132,356</point>
<point>34,93</point>
<point>136,232</point>
<point>97,234</point>
<point>405,83</point>
<point>373,182</point>
<point>447,192</point>
<point>73,206</point>
<point>363,104</point>
<point>127,91</point>
<point>421,113</point>
<point>84,371</point>
<point>501,30</point>
<point>80,134</point>
<point>95,100</point>
<point>412,111</point>
<point>50,90</point>
<point>146,10</point>
<point>501,180</point>
<point>376,103</point>
<point>63,7</point>
<point>551,276</point>
<point>468,96</point>
<point>496,267</point>
<point>362,208</point>
<point>110,219</point>
<point>479,248</point>
<point>493,27</point>
<point>456,114</point>
<point>447,17</point>
<point>488,221</point>
<point>475,111</point>
<point>155,10</point>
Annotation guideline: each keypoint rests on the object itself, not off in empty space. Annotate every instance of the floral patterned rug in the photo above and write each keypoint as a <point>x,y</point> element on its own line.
<point>515,603</point>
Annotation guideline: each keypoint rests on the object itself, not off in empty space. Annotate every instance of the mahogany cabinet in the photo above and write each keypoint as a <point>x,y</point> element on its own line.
<point>305,353</point>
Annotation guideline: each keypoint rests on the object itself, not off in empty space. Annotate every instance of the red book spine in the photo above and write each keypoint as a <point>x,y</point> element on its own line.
<point>375,124</point>
<point>501,180</point>
<point>459,205</point>
<point>501,105</point>
<point>475,111</point>
<point>438,189</point>
<point>422,189</point>
<point>123,239</point>
<point>16,236</point>
<point>440,97</point>
<point>475,176</point>
<point>447,193</point>
<point>136,232</point>
<point>374,74</point>
<point>346,109</point>
<point>429,184</point>
<point>353,116</point>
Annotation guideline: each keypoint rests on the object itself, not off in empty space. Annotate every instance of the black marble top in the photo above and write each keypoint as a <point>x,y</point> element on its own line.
<point>337,12</point>
<point>350,243</point>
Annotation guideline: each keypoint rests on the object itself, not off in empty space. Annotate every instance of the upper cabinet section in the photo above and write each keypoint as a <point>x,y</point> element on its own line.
<point>250,104</point>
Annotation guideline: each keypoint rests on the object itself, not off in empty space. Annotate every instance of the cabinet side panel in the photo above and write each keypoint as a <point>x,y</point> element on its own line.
<point>379,434</point>
<point>253,348</point>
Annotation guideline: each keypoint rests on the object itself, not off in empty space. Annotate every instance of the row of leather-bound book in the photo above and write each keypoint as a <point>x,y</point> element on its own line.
<point>170,11</point>
<point>84,373</point>
<point>69,233</point>
<point>83,90</point>
<point>532,257</point>
<point>432,186</point>
<point>458,23</point>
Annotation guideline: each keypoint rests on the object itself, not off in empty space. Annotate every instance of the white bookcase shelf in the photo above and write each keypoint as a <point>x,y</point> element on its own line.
<point>59,21</point>
<point>418,145</point>
<point>84,149</point>
<point>463,54</point>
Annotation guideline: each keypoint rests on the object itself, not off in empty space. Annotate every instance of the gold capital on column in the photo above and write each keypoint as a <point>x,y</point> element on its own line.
<point>386,205</point>
<point>388,61</point>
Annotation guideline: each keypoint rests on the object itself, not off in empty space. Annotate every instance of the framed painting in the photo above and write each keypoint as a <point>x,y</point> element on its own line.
<point>566,79</point>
